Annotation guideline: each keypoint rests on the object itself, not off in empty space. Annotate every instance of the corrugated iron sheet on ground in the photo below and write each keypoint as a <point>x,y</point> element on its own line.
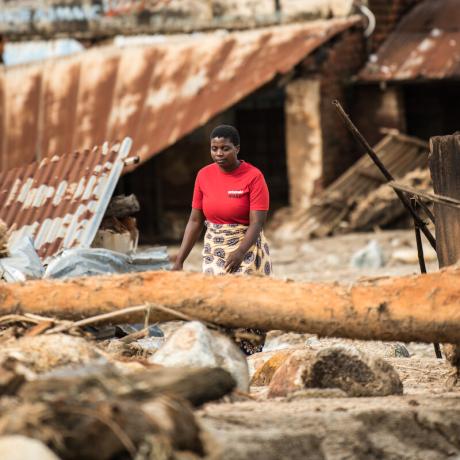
<point>155,93</point>
<point>330,212</point>
<point>426,45</point>
<point>60,201</point>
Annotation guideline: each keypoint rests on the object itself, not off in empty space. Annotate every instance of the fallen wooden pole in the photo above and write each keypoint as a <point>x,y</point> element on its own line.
<point>415,308</point>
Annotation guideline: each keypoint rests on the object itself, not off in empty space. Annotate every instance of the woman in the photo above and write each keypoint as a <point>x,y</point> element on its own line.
<point>231,198</point>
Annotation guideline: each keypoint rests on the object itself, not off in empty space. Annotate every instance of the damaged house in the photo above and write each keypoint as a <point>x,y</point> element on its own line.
<point>166,92</point>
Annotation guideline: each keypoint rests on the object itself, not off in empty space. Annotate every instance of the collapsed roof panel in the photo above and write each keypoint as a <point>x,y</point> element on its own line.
<point>60,201</point>
<point>330,211</point>
<point>155,93</point>
<point>425,46</point>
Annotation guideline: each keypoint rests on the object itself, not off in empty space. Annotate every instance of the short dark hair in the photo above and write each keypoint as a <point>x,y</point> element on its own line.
<point>227,132</point>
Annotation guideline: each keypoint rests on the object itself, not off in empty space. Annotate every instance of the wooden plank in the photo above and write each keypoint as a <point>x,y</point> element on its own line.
<point>445,172</point>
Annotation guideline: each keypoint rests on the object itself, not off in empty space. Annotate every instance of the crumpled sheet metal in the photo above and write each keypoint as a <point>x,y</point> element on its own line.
<point>425,46</point>
<point>97,261</point>
<point>23,262</point>
<point>154,93</point>
<point>60,201</point>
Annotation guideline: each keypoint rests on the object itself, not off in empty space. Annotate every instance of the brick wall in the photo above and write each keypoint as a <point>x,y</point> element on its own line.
<point>387,14</point>
<point>346,56</point>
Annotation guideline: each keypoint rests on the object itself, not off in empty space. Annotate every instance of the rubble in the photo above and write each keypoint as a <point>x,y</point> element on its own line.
<point>371,256</point>
<point>331,211</point>
<point>96,412</point>
<point>354,372</point>
<point>196,346</point>
<point>382,206</point>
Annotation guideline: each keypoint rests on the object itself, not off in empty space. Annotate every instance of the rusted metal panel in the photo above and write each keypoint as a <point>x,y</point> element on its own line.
<point>329,212</point>
<point>160,92</point>
<point>60,201</point>
<point>23,90</point>
<point>58,107</point>
<point>426,45</point>
<point>98,75</point>
<point>2,119</point>
<point>133,79</point>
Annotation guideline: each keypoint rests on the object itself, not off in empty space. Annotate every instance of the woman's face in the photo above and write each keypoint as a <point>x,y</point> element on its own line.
<point>224,153</point>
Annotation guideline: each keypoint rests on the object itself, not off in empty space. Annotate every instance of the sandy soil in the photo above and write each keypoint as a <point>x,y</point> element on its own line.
<point>404,427</point>
<point>424,423</point>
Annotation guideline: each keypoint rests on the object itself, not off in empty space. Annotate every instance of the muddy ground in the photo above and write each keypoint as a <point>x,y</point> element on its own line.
<point>424,423</point>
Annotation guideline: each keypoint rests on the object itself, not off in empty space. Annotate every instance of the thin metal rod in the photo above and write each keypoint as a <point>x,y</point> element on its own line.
<point>421,261</point>
<point>405,201</point>
<point>417,195</point>
<point>434,197</point>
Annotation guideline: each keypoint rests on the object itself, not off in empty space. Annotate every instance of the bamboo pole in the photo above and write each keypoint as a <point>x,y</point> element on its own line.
<point>414,308</point>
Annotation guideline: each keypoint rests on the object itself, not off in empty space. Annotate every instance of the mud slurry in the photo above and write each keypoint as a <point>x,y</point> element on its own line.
<point>392,427</point>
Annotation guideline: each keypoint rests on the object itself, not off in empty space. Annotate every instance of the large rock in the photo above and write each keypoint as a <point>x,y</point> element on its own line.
<point>23,448</point>
<point>196,346</point>
<point>43,353</point>
<point>345,368</point>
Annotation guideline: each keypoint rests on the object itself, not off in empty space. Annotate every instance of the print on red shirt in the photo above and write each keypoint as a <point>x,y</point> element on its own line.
<point>227,198</point>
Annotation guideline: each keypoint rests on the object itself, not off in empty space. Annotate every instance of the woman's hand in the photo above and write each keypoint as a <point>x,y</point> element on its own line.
<point>177,267</point>
<point>233,261</point>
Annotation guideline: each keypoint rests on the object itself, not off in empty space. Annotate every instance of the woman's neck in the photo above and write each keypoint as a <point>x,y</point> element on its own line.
<point>230,168</point>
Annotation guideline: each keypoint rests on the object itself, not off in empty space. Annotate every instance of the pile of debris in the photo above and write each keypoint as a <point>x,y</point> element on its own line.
<point>64,220</point>
<point>360,199</point>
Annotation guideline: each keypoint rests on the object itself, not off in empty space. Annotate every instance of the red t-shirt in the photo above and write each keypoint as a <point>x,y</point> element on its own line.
<point>227,198</point>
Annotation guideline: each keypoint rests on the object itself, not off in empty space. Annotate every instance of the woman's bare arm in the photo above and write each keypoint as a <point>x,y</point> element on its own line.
<point>256,222</point>
<point>191,235</point>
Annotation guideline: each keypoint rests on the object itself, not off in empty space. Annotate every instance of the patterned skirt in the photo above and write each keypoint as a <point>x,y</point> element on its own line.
<point>222,239</point>
<point>219,241</point>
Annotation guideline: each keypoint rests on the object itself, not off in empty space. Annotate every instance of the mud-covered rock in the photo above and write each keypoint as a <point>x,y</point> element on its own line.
<point>43,353</point>
<point>264,373</point>
<point>345,368</point>
<point>280,340</point>
<point>22,448</point>
<point>196,346</point>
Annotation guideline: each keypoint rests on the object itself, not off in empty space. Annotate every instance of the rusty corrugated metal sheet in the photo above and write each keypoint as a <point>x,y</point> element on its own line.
<point>330,211</point>
<point>425,46</point>
<point>60,201</point>
<point>154,93</point>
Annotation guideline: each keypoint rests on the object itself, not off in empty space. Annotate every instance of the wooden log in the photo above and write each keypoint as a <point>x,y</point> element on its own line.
<point>414,308</point>
<point>122,206</point>
<point>197,386</point>
<point>445,173</point>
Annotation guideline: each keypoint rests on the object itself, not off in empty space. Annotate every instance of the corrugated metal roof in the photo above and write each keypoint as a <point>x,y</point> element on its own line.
<point>426,45</point>
<point>330,211</point>
<point>60,201</point>
<point>155,94</point>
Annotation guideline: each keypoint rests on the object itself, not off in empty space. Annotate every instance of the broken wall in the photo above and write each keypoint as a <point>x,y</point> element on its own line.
<point>319,146</point>
<point>303,140</point>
